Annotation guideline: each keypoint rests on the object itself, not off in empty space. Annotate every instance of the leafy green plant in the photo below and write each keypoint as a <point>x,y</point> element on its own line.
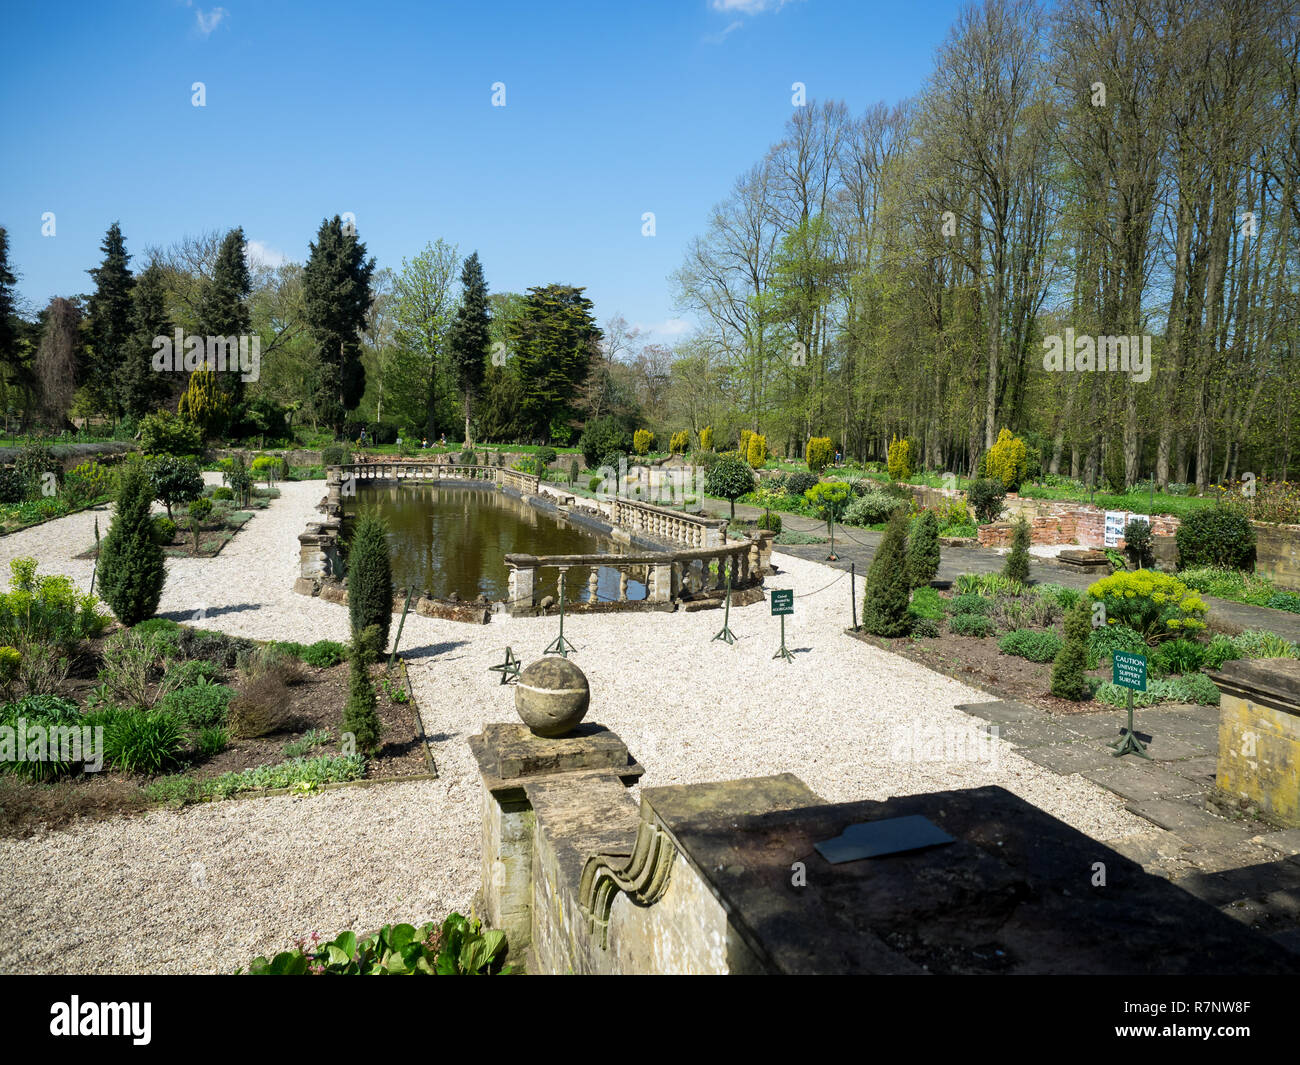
<point>927,603</point>
<point>986,496</point>
<point>730,478</point>
<point>1016,567</point>
<point>43,712</point>
<point>1219,650</point>
<point>1157,605</point>
<point>1139,544</point>
<point>201,705</point>
<point>459,947</point>
<point>213,740</point>
<point>321,654</point>
<point>222,492</point>
<point>1257,643</point>
<point>144,741</point>
<point>1194,688</point>
<point>174,480</point>
<point>1060,594</point>
<point>1037,646</point>
<point>1069,680</point>
<point>1216,536</point>
<point>307,743</point>
<point>1176,656</point>
<point>885,602</point>
<point>1105,640</point>
<point>131,569</point>
<point>924,627</point>
<point>923,550</point>
<point>972,603</point>
<point>971,625</point>
<point>164,530</point>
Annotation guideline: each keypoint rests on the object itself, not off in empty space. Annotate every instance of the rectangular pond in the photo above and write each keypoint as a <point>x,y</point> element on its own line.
<point>446,538</point>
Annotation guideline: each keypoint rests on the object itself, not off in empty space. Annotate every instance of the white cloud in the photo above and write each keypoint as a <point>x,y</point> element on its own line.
<point>211,20</point>
<point>718,38</point>
<point>747,7</point>
<point>259,254</point>
<point>670,328</point>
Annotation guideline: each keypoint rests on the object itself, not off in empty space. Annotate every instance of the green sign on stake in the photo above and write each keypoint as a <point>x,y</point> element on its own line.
<point>1129,671</point>
<point>783,604</point>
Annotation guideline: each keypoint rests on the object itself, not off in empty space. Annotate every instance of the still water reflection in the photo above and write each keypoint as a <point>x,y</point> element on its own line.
<point>454,538</point>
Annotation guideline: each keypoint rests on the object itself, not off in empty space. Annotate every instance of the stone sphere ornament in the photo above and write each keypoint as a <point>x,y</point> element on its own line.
<point>552,696</point>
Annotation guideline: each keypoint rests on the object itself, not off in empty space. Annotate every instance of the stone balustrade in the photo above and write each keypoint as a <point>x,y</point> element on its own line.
<point>341,481</point>
<point>669,576</point>
<point>673,526</point>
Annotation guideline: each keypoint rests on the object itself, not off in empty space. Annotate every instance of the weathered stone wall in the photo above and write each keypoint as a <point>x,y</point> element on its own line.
<point>1277,553</point>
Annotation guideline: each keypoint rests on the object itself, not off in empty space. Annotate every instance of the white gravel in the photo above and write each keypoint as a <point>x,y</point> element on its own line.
<point>206,888</point>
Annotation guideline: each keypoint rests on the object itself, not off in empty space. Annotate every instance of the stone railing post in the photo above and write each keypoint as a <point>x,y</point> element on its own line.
<point>523,584</point>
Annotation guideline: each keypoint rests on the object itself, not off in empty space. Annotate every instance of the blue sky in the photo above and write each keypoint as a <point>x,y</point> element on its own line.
<point>384,109</point>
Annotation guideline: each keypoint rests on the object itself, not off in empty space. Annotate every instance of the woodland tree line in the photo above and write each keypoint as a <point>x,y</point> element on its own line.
<point>1123,167</point>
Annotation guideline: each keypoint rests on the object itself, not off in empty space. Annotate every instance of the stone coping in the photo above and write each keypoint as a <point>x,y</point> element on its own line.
<point>1272,681</point>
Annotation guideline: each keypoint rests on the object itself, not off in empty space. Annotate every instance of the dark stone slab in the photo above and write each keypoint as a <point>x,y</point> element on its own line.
<point>1262,882</point>
<point>1030,733</point>
<point>1198,771</point>
<point>1105,727</point>
<point>585,813</point>
<point>1002,711</point>
<point>1068,757</point>
<point>1139,781</point>
<point>508,753</point>
<point>1013,894</point>
<point>1197,826</point>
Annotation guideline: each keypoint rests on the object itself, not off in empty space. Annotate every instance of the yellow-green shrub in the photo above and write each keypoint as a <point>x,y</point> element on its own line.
<point>1006,460</point>
<point>706,438</point>
<point>900,459</point>
<point>756,453</point>
<point>1157,605</point>
<point>818,453</point>
<point>680,442</point>
<point>642,441</point>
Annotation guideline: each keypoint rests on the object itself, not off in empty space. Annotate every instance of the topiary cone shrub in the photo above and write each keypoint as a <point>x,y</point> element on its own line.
<point>923,550</point>
<point>359,715</point>
<point>1017,564</point>
<point>884,605</point>
<point>370,577</point>
<point>131,563</point>
<point>1069,668</point>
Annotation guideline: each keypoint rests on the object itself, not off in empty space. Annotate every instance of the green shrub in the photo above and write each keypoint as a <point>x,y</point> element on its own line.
<point>546,455</point>
<point>202,704</point>
<point>370,577</point>
<point>601,436</point>
<point>1257,643</point>
<point>459,948</point>
<point>872,508</point>
<point>335,455</point>
<point>187,674</point>
<point>1016,567</point>
<point>88,482</point>
<point>923,550</point>
<point>359,714</point>
<point>217,647</point>
<point>971,625</point>
<point>1216,536</point>
<point>1139,544</point>
<point>927,603</point>
<point>1219,650</point>
<point>885,602</point>
<point>213,740</point>
<point>1155,604</point>
<point>985,496</point>
<point>643,440</point>
<point>42,712</point>
<point>972,603</point>
<point>1284,601</point>
<point>769,521</point>
<point>1069,680</point>
<point>1064,597</point>
<point>1195,688</point>
<point>174,480</point>
<point>819,453</point>
<point>1105,640</point>
<point>899,459</point>
<point>1176,656</point>
<point>131,567</point>
<point>322,653</point>
<point>164,530</point>
<point>144,741</point>
<point>164,433</point>
<point>1006,460</point>
<point>924,627</point>
<point>594,483</point>
<point>222,492</point>
<point>1031,644</point>
<point>799,482</point>
<point>730,478</point>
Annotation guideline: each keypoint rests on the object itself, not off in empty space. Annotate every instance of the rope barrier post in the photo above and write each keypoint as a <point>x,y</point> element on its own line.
<point>853,593</point>
<point>726,635</point>
<point>560,646</point>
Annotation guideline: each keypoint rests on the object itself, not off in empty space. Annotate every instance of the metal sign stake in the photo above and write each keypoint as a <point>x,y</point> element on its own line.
<point>560,646</point>
<point>726,635</point>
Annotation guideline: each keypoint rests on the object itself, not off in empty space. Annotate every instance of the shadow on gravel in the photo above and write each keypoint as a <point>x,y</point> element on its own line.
<point>430,650</point>
<point>198,616</point>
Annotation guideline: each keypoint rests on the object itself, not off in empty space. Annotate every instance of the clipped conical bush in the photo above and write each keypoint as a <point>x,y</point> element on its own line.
<point>1017,564</point>
<point>923,550</point>
<point>370,577</point>
<point>132,568</point>
<point>884,606</point>
<point>359,715</point>
<point>1069,669</point>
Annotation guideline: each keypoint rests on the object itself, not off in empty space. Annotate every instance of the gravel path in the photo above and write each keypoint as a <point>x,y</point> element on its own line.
<point>207,888</point>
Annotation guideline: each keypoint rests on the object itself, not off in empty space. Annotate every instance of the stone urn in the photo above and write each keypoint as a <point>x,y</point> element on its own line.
<point>552,696</point>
